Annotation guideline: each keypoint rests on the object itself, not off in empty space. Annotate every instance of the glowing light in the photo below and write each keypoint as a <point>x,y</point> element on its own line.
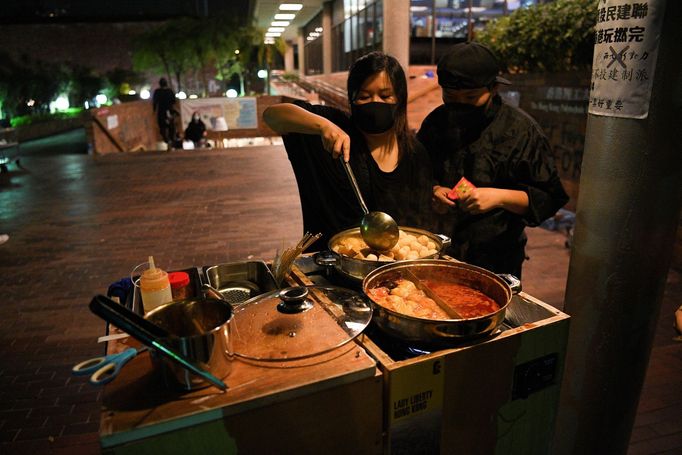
<point>236,51</point>
<point>231,93</point>
<point>269,41</point>
<point>262,74</point>
<point>193,96</point>
<point>30,103</point>
<point>318,29</point>
<point>145,94</point>
<point>101,98</point>
<point>273,34</point>
<point>276,29</point>
<point>60,104</point>
<point>87,105</point>
<point>284,17</point>
<point>132,92</point>
<point>280,23</point>
<point>181,95</point>
<point>290,7</point>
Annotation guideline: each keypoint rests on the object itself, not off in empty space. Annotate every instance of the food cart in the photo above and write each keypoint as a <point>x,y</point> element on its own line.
<point>373,394</point>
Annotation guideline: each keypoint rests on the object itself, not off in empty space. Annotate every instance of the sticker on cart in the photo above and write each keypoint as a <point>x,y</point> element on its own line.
<point>416,405</point>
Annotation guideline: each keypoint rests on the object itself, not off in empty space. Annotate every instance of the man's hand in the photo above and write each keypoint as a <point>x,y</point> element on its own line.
<point>439,199</point>
<point>481,200</point>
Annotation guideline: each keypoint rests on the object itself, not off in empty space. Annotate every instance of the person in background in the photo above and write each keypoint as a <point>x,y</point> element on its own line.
<point>196,131</point>
<point>503,154</point>
<point>163,102</point>
<point>391,167</point>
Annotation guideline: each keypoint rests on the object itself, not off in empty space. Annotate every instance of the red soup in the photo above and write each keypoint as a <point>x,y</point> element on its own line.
<point>466,301</point>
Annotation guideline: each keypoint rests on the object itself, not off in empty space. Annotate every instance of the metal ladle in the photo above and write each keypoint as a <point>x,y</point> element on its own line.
<point>378,229</point>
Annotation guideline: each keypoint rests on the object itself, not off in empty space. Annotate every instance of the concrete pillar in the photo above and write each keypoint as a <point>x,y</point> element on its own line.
<point>626,219</point>
<point>396,39</point>
<point>327,37</point>
<point>300,39</point>
<point>289,57</point>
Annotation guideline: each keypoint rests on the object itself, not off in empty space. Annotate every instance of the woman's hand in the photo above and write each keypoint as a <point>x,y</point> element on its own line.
<point>335,140</point>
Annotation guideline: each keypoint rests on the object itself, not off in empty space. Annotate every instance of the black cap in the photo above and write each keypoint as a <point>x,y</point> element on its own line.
<point>467,66</point>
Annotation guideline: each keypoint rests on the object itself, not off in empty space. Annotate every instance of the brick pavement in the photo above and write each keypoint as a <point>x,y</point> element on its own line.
<point>77,223</point>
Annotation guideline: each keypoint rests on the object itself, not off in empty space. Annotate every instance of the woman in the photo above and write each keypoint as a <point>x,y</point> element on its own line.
<point>391,167</point>
<point>196,130</point>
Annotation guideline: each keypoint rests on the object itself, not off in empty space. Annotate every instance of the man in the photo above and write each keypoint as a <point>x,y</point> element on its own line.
<point>511,181</point>
<point>163,101</point>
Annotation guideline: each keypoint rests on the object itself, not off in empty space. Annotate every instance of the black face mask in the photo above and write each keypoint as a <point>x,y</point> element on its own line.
<point>374,117</point>
<point>467,115</point>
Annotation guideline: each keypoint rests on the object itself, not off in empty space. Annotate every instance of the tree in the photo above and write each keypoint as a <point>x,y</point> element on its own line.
<point>84,84</point>
<point>555,36</point>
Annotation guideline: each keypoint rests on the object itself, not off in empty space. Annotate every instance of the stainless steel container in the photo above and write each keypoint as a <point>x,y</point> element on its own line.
<point>357,269</point>
<point>442,331</point>
<point>200,331</point>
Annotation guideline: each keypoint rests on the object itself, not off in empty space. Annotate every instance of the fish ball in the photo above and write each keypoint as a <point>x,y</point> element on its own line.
<point>423,239</point>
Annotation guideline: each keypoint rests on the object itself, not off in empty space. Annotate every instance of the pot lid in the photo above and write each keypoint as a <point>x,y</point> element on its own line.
<point>298,322</point>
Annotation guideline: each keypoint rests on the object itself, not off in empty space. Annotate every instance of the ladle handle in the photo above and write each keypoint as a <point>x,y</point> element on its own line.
<point>354,184</point>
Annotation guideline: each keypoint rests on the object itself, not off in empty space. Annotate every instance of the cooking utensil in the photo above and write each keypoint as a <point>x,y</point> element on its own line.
<point>105,368</point>
<point>282,262</point>
<point>200,331</point>
<point>147,333</point>
<point>378,229</point>
<point>451,312</point>
<point>239,281</point>
<point>432,332</point>
<point>357,269</point>
<point>299,322</point>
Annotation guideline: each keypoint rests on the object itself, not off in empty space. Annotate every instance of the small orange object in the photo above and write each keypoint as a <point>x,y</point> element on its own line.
<point>460,190</point>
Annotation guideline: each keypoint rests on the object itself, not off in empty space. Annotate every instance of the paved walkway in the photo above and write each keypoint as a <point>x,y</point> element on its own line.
<point>76,224</point>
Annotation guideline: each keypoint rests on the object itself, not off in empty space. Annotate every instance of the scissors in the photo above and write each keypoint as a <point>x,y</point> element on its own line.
<point>105,369</point>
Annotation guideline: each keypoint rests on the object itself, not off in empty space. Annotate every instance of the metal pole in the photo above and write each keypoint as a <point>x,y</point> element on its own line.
<point>470,25</point>
<point>627,215</point>
<point>433,32</point>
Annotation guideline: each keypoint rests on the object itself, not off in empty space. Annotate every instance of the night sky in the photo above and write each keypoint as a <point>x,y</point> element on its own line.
<point>59,11</point>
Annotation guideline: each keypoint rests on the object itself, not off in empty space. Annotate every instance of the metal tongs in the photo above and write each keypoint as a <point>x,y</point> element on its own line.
<point>281,265</point>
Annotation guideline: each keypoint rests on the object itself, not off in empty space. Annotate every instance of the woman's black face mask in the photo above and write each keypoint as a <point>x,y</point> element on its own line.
<point>374,117</point>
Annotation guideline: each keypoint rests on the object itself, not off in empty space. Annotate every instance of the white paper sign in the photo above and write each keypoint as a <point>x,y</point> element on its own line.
<point>625,51</point>
<point>112,121</point>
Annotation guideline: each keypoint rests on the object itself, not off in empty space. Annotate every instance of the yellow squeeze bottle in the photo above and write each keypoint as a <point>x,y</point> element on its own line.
<point>154,287</point>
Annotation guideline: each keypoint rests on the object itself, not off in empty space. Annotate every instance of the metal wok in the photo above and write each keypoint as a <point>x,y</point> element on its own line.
<point>441,331</point>
<point>357,269</point>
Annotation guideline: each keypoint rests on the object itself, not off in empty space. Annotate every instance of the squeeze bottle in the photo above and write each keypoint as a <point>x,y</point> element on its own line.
<point>154,287</point>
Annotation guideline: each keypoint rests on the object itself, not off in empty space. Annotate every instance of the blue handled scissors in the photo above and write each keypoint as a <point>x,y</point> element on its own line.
<point>105,368</point>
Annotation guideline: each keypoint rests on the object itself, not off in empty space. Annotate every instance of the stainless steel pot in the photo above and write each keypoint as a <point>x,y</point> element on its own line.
<point>357,269</point>
<point>199,330</point>
<point>432,331</point>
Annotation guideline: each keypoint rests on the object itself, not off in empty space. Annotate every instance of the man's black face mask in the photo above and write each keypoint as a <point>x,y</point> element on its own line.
<point>374,117</point>
<point>467,115</point>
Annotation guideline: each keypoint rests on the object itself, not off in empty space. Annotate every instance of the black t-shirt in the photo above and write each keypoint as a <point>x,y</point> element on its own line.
<point>328,203</point>
<point>510,152</point>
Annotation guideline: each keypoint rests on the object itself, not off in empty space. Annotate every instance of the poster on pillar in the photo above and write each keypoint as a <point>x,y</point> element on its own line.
<point>625,50</point>
<point>221,114</point>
